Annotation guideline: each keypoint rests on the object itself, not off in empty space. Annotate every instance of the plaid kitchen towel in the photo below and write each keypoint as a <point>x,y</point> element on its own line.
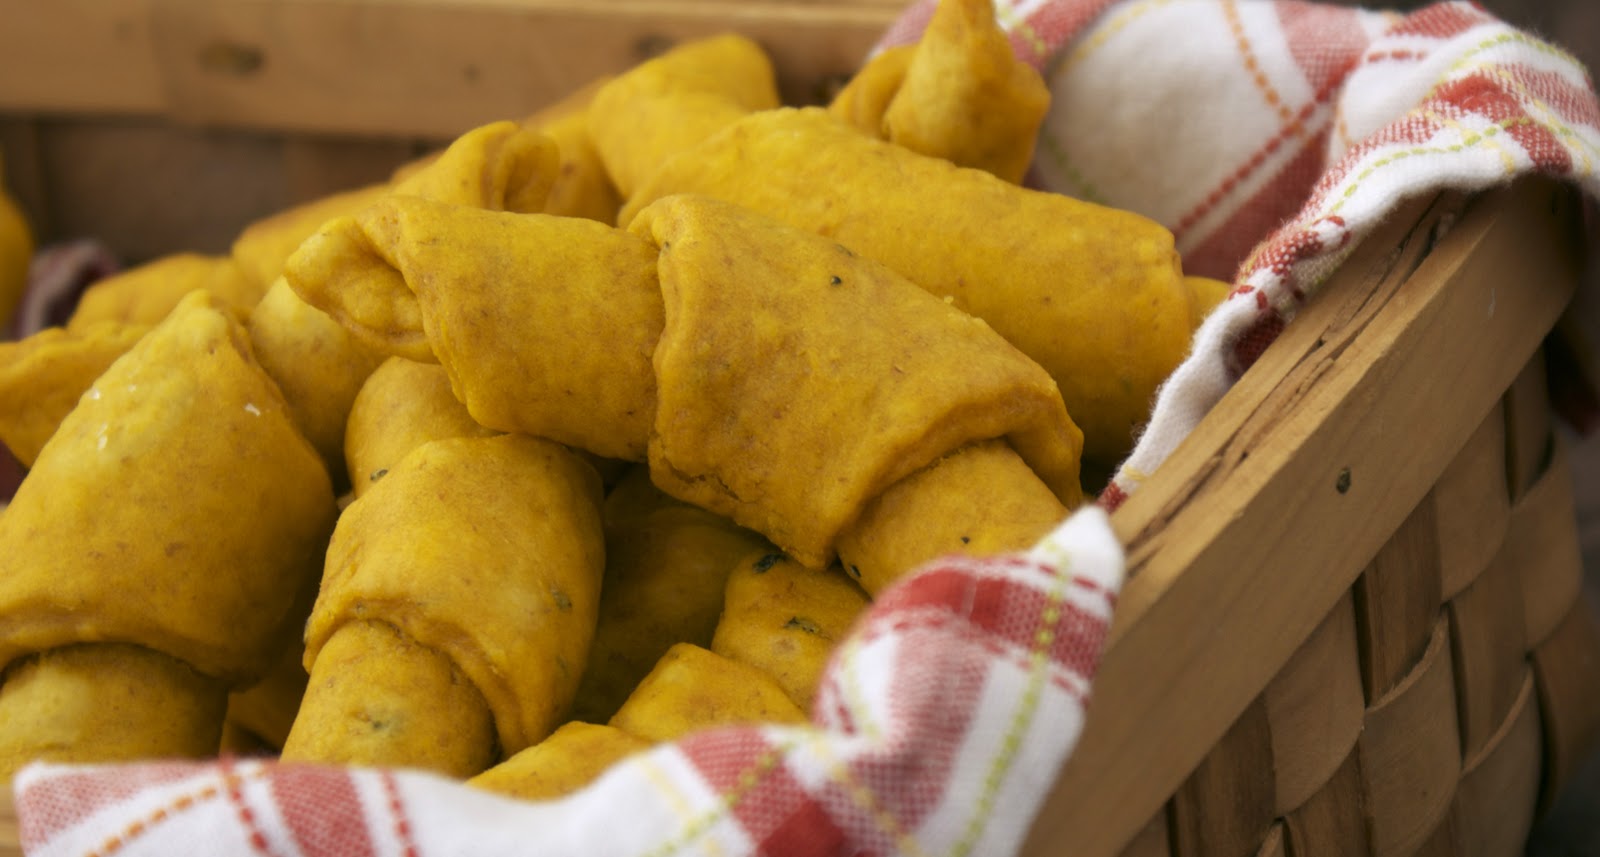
<point>1271,136</point>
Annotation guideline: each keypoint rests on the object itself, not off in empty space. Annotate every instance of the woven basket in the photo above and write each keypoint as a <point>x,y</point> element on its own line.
<point>1354,623</point>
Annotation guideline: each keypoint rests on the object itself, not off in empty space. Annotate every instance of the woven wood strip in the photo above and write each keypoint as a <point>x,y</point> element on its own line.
<point>1488,650</point>
<point>1542,544</point>
<point>1154,840</point>
<point>1472,505</point>
<point>1332,821</point>
<point>1397,601</point>
<point>1566,669</point>
<point>1226,806</point>
<point>1499,786</point>
<point>1274,844</point>
<point>1410,755</point>
<point>1530,429</point>
<point>1315,707</point>
<point>1444,841</point>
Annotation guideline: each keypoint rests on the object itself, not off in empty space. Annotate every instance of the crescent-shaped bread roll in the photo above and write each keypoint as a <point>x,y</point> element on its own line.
<point>482,301</point>
<point>1095,295</point>
<point>266,710</point>
<point>980,500</point>
<point>261,247</point>
<point>666,566</point>
<point>966,97</point>
<point>787,408</point>
<point>402,405</point>
<point>145,294</point>
<point>500,166</point>
<point>154,555</point>
<point>321,368</point>
<point>475,562</point>
<point>1207,295</point>
<point>106,702</point>
<point>694,688</point>
<point>866,97</point>
<point>176,507</point>
<point>582,187</point>
<point>785,619</point>
<point>317,364</point>
<point>43,376</point>
<point>571,758</point>
<point>671,103</point>
<point>378,697</point>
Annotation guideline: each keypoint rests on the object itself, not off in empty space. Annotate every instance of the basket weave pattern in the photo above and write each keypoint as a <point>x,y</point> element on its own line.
<point>1447,697</point>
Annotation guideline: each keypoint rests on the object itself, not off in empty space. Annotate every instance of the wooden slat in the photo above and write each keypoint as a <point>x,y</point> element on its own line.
<point>315,167</point>
<point>79,56</point>
<point>1155,840</point>
<point>1566,669</point>
<point>1332,821</point>
<point>1397,601</point>
<point>1488,649</point>
<point>1530,429</point>
<point>396,69</point>
<point>1411,755</point>
<point>1226,806</point>
<point>24,171</point>
<point>1315,707</point>
<point>1217,601</point>
<point>1273,844</point>
<point>146,187</point>
<point>149,187</point>
<point>1499,786</point>
<point>1445,841</point>
<point>1472,505</point>
<point>1543,544</point>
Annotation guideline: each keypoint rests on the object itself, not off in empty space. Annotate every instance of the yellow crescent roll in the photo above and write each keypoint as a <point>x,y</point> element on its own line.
<point>266,710</point>
<point>571,758</point>
<point>1207,294</point>
<point>1095,295</point>
<point>106,702</point>
<point>754,418</point>
<point>42,377</point>
<point>966,97</point>
<point>785,619</point>
<point>145,294</point>
<point>499,166</point>
<point>666,566</point>
<point>665,105</point>
<point>402,405</point>
<point>980,500</point>
<point>865,99</point>
<point>261,248</point>
<point>481,301</point>
<point>582,187</point>
<point>317,364</point>
<point>320,367</point>
<point>693,688</point>
<point>177,511</point>
<point>687,689</point>
<point>456,610</point>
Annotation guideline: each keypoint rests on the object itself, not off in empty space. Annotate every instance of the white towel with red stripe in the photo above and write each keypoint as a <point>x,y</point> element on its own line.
<point>1271,135</point>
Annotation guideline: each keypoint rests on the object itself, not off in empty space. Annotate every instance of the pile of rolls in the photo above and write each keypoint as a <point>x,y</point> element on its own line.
<point>590,430</point>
